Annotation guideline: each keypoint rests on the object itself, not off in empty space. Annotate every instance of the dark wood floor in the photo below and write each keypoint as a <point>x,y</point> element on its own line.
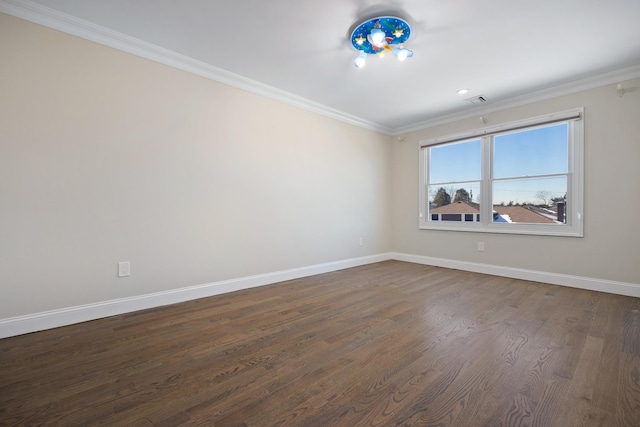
<point>380,345</point>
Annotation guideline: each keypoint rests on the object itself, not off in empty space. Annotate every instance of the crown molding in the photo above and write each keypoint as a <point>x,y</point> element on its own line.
<point>30,11</point>
<point>555,91</point>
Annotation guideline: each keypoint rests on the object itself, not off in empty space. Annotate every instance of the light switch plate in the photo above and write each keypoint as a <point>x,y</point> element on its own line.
<point>124,269</point>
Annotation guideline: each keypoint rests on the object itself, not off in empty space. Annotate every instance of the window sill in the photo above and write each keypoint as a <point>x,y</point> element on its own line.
<point>524,229</point>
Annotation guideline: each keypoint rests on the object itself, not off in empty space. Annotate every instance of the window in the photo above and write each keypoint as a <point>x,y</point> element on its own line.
<point>522,177</point>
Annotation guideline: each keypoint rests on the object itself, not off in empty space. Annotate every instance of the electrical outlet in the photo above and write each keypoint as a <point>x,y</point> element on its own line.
<point>124,269</point>
<point>481,246</point>
<point>360,241</point>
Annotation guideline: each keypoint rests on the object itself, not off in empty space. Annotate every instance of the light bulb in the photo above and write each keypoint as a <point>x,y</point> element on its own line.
<point>402,53</point>
<point>361,60</point>
<point>377,36</point>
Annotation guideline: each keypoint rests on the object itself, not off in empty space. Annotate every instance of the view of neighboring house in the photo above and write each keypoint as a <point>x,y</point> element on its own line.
<point>470,212</point>
<point>456,211</point>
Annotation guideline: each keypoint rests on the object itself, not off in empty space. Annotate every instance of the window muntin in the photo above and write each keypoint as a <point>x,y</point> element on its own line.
<point>529,178</point>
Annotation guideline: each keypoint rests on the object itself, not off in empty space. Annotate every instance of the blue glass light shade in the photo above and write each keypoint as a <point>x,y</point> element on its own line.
<point>396,32</point>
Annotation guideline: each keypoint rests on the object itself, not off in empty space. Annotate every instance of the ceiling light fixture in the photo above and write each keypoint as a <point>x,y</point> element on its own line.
<point>462,91</point>
<point>380,35</point>
<point>361,60</point>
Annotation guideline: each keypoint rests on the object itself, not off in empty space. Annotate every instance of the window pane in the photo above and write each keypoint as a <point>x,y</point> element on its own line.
<point>531,176</point>
<point>453,202</point>
<point>531,200</point>
<point>540,151</point>
<point>456,162</point>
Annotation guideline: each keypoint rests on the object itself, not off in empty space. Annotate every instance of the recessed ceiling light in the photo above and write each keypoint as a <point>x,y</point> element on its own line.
<point>462,91</point>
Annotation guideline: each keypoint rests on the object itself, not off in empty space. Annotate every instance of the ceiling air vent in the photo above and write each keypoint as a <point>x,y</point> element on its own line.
<point>477,99</point>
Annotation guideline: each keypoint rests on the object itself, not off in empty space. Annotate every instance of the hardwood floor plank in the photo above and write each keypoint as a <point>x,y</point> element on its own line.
<point>580,393</point>
<point>384,344</point>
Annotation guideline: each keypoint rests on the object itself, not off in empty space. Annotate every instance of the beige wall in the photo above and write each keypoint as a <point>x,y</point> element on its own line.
<point>108,157</point>
<point>610,248</point>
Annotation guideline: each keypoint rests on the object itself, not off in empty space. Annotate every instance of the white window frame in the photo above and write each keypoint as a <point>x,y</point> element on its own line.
<point>575,179</point>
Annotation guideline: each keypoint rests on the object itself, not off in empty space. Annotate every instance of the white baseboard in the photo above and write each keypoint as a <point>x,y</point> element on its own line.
<point>67,316</point>
<point>589,283</point>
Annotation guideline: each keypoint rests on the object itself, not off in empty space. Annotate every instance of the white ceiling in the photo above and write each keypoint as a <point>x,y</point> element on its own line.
<point>502,49</point>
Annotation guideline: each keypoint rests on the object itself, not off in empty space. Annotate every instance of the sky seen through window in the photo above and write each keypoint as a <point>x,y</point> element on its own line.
<point>525,163</point>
